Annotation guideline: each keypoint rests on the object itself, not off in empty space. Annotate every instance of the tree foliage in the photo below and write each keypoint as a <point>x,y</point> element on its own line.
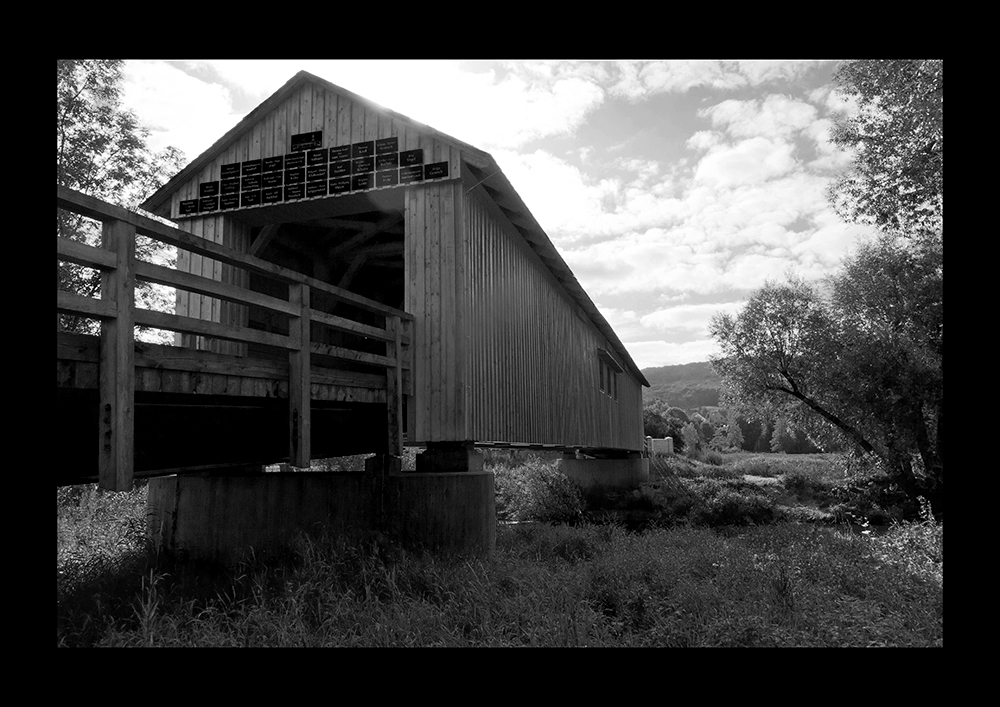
<point>898,139</point>
<point>866,360</point>
<point>101,150</point>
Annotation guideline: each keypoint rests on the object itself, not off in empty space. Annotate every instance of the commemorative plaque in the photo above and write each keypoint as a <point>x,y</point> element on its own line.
<point>389,161</point>
<point>316,188</point>
<point>250,198</point>
<point>229,201</point>
<point>296,160</point>
<point>270,196</point>
<point>436,170</point>
<point>388,178</point>
<point>230,170</point>
<point>363,149</point>
<point>360,182</point>
<point>317,156</point>
<point>340,169</point>
<point>208,189</point>
<point>189,207</point>
<point>273,164</point>
<point>231,186</point>
<point>307,141</point>
<point>295,176</point>
<point>316,174</point>
<point>340,185</point>
<point>208,203</point>
<point>270,179</point>
<point>250,167</point>
<point>251,183</point>
<point>411,174</point>
<point>340,153</point>
<point>409,157</point>
<point>295,191</point>
<point>361,165</point>
<point>386,144</point>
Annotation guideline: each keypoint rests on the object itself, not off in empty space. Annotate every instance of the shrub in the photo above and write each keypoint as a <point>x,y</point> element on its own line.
<point>536,490</point>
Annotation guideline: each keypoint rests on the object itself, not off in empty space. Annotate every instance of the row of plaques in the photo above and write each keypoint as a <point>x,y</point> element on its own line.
<point>310,171</point>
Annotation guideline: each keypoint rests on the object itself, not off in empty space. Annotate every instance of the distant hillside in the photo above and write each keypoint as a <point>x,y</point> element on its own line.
<point>687,386</point>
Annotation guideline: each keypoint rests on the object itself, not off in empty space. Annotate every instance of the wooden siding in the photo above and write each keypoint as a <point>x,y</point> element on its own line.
<point>433,294</point>
<point>310,108</point>
<point>225,231</point>
<point>532,355</point>
<point>501,352</point>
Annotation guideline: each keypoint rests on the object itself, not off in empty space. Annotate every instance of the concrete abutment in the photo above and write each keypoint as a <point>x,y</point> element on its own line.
<point>220,517</point>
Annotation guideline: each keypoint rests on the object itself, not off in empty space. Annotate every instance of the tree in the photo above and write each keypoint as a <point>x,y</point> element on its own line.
<point>865,361</point>
<point>898,139</point>
<point>101,150</point>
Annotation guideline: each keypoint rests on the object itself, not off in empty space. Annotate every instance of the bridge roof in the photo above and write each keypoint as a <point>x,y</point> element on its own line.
<point>484,170</point>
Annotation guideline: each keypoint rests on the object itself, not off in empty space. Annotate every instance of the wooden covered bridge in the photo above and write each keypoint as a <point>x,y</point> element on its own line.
<point>348,281</point>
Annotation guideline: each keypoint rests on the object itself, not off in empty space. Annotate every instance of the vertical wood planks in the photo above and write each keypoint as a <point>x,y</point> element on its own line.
<point>394,389</point>
<point>299,398</point>
<point>117,362</point>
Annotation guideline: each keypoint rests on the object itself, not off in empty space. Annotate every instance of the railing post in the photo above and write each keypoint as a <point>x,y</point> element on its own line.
<point>394,387</point>
<point>299,394</point>
<point>117,362</point>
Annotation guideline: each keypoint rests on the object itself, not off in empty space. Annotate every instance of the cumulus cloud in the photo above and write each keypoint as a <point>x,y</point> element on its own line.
<point>752,160</point>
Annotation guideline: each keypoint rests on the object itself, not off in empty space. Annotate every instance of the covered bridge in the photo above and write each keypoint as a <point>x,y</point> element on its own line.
<point>348,280</point>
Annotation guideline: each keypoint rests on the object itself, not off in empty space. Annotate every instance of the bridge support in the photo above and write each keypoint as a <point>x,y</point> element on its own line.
<point>220,517</point>
<point>628,470</point>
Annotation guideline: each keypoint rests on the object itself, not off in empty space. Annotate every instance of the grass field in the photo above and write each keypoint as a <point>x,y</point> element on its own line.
<point>758,550</point>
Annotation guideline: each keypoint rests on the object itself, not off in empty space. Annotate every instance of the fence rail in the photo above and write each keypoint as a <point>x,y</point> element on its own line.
<point>118,315</point>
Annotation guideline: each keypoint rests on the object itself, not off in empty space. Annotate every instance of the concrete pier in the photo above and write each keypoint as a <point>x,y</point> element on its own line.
<point>221,517</point>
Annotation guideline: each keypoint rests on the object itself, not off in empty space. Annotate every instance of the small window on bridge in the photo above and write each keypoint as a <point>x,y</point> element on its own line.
<point>608,374</point>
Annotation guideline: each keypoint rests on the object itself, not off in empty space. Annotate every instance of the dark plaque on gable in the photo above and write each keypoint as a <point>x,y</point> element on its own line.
<point>387,178</point>
<point>408,157</point>
<point>317,156</point>
<point>340,169</point>
<point>316,188</point>
<point>250,198</point>
<point>270,179</point>
<point>230,170</point>
<point>230,186</point>
<point>250,183</point>
<point>340,153</point>
<point>307,141</point>
<point>360,182</point>
<point>208,189</point>
<point>436,170</point>
<point>386,144</point>
<point>411,174</point>
<point>363,149</point>
<point>250,167</point>
<point>340,185</point>
<point>229,201</point>
<point>390,161</point>
<point>295,176</point>
<point>298,160</point>
<point>316,174</point>
<point>208,203</point>
<point>189,207</point>
<point>362,165</point>
<point>273,164</point>
<point>295,191</point>
<point>271,196</point>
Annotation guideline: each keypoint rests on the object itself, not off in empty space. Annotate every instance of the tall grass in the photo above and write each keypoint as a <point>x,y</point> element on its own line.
<point>687,583</point>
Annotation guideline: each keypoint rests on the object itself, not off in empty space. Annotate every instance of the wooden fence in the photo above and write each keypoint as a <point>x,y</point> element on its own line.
<point>116,309</point>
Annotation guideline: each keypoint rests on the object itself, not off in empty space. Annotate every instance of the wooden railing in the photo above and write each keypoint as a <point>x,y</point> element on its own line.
<point>116,309</point>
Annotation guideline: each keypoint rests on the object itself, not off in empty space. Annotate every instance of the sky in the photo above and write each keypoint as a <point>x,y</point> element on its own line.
<point>672,189</point>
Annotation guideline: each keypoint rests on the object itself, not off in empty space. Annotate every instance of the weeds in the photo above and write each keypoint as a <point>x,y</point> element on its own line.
<point>718,571</point>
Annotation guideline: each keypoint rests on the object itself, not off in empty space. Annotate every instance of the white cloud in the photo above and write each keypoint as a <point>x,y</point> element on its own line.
<point>753,160</point>
<point>179,110</point>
